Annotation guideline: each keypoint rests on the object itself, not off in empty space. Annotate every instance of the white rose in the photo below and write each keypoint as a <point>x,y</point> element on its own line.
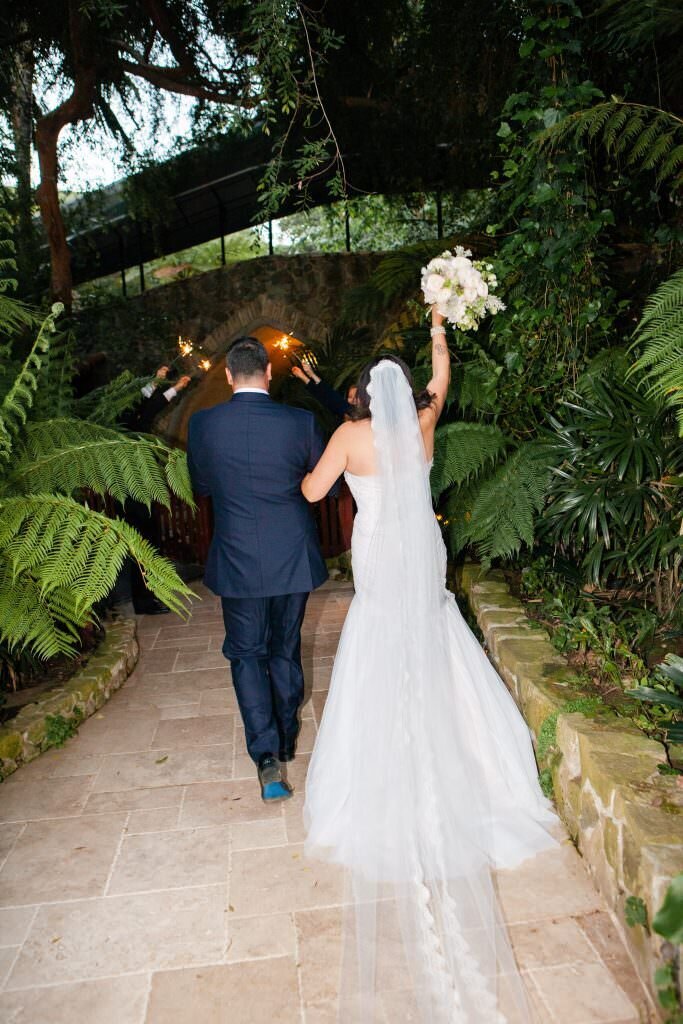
<point>461,264</point>
<point>434,282</point>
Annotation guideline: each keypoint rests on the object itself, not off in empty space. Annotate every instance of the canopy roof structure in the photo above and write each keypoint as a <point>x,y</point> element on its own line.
<point>212,191</point>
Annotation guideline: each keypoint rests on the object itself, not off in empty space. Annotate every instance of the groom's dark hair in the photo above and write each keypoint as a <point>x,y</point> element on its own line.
<point>247,357</point>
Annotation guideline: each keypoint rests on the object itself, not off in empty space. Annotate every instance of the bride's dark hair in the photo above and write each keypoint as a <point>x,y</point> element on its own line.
<point>361,408</point>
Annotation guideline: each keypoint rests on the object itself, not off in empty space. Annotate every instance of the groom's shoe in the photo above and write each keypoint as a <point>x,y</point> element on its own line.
<point>273,786</point>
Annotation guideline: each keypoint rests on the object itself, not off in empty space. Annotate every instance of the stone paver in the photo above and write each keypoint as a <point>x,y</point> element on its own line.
<point>143,881</point>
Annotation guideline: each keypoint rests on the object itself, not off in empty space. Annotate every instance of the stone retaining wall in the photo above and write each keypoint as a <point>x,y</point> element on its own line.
<point>27,735</point>
<point>625,817</point>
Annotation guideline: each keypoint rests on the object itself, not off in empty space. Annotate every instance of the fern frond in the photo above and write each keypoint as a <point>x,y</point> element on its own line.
<point>73,555</point>
<point>644,137</point>
<point>18,400</point>
<point>659,337</point>
<point>44,625</point>
<point>67,455</point>
<point>106,405</point>
<point>396,275</point>
<point>507,503</point>
<point>459,505</point>
<point>362,304</point>
<point>461,451</point>
<point>15,315</point>
<point>178,475</point>
<point>478,385</point>
<point>54,399</point>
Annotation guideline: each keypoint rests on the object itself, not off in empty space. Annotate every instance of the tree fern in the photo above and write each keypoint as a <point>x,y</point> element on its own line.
<point>28,621</point>
<point>396,275</point>
<point>178,475</point>
<point>645,138</point>
<point>461,451</point>
<point>659,337</point>
<point>478,385</point>
<point>58,558</point>
<point>458,508</point>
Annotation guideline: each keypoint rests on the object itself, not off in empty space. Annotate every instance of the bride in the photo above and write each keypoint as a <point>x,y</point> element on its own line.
<point>423,779</point>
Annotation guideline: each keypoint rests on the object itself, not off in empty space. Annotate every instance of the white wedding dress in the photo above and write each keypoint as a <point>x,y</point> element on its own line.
<point>423,776</point>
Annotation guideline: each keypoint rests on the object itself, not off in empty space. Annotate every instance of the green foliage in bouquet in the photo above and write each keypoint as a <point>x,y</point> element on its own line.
<point>59,557</point>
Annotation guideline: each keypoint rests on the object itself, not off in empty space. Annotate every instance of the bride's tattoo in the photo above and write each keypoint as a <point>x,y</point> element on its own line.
<point>440,349</point>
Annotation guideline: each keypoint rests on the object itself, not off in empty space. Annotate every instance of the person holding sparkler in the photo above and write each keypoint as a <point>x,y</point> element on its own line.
<point>326,395</point>
<point>154,400</point>
<point>140,420</point>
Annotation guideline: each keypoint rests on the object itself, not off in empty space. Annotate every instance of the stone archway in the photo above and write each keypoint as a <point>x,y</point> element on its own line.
<point>268,321</point>
<point>265,312</point>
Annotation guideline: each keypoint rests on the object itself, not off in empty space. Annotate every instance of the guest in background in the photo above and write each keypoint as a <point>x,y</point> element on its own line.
<point>154,400</point>
<point>141,419</point>
<point>327,396</point>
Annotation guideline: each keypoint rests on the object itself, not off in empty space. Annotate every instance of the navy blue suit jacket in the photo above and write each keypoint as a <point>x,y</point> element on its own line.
<point>251,454</point>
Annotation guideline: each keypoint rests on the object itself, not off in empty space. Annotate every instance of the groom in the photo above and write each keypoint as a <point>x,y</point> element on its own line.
<point>251,454</point>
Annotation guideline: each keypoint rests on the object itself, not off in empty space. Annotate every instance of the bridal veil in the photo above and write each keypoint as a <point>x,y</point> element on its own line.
<point>423,779</point>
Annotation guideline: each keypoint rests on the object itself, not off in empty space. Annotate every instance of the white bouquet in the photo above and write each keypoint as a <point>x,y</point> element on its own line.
<point>460,288</point>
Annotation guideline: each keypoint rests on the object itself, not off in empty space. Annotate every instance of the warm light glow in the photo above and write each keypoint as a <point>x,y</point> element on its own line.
<point>284,343</point>
<point>205,364</point>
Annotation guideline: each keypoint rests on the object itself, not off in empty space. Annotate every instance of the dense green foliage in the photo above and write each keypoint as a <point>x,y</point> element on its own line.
<point>58,556</point>
<point>614,503</point>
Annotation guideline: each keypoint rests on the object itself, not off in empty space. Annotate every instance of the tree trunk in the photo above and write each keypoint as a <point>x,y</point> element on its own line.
<point>22,125</point>
<point>78,107</point>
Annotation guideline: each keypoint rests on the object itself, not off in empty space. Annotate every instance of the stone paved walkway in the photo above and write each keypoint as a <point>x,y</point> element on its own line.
<point>143,881</point>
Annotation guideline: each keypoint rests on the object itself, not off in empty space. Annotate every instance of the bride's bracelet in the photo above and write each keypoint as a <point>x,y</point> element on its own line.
<point>437,330</point>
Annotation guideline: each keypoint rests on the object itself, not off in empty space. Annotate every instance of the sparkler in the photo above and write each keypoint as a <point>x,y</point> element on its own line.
<point>185,349</point>
<point>295,358</point>
<point>205,364</point>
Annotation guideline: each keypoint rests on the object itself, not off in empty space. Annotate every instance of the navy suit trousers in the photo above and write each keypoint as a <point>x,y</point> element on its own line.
<point>263,643</point>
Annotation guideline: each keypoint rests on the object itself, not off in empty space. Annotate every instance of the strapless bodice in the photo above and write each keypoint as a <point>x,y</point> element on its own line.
<point>366,490</point>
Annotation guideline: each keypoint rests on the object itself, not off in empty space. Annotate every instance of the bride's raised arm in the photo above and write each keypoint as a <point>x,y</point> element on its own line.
<point>441,372</point>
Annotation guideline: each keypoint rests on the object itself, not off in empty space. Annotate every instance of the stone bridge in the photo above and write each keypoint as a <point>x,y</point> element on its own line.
<point>273,295</point>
